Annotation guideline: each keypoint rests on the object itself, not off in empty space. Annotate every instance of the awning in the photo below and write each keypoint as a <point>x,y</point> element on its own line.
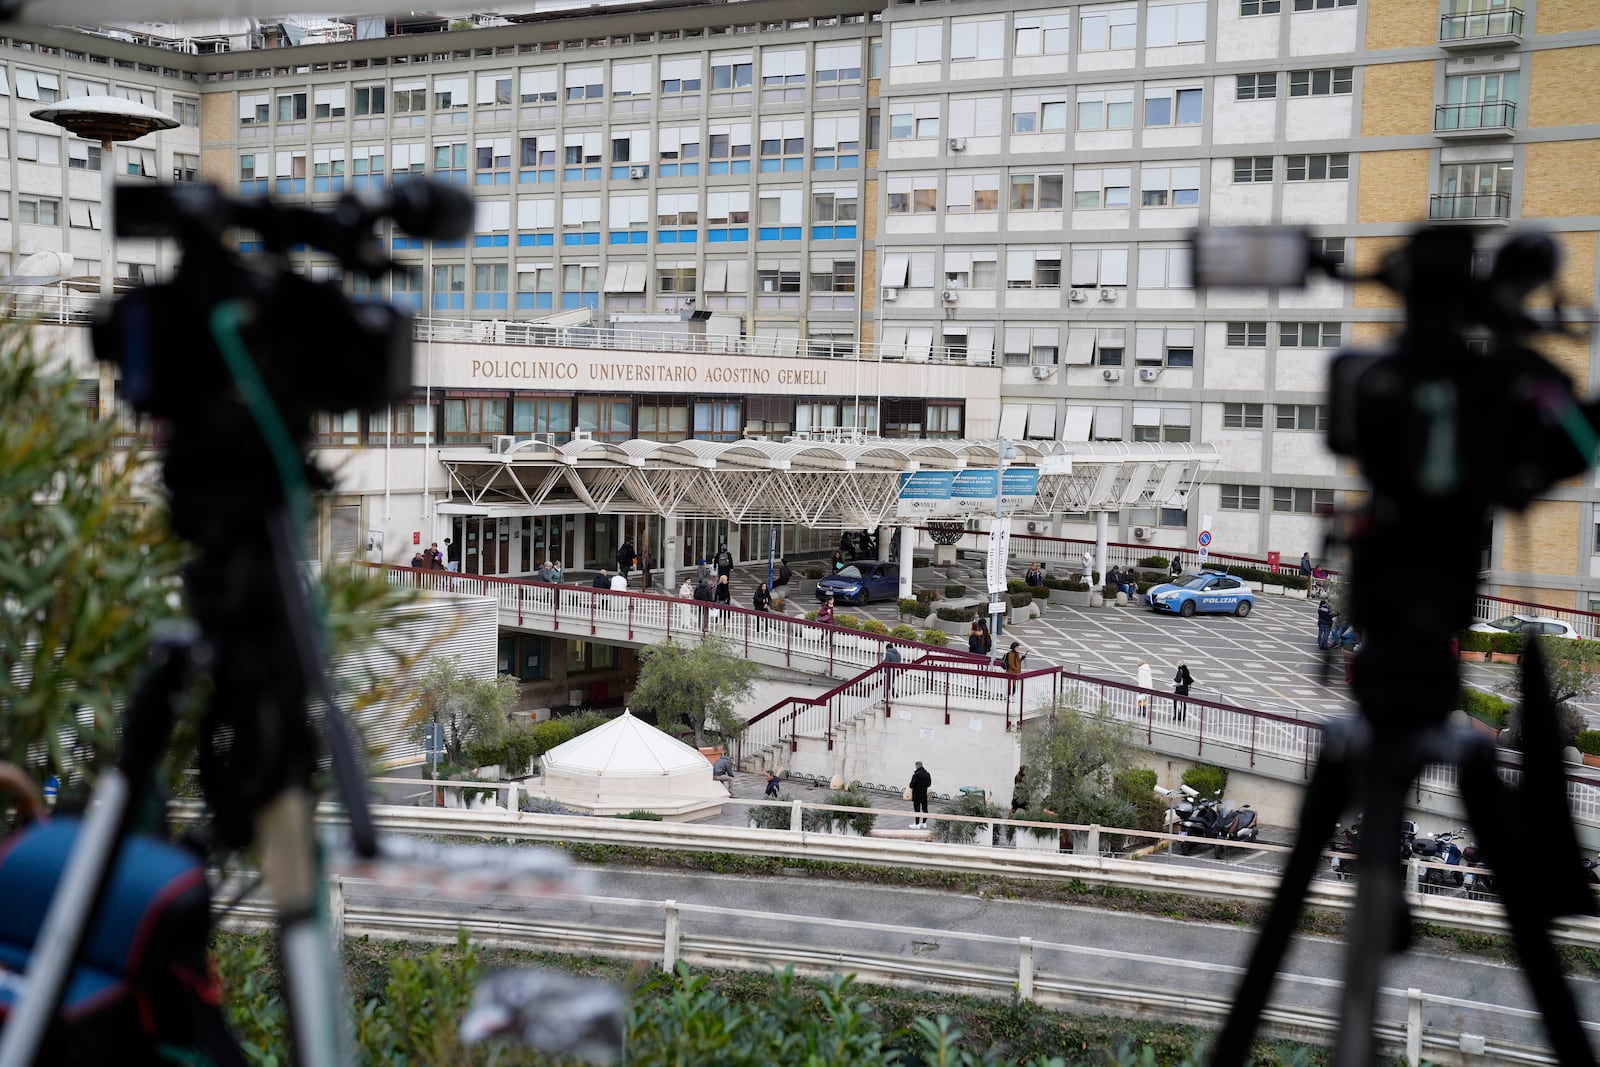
<point>1080,347</point>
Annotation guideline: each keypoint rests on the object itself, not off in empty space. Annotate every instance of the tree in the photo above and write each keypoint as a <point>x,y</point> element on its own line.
<point>1570,670</point>
<point>1075,757</point>
<point>473,711</point>
<point>695,686</point>
<point>88,569</point>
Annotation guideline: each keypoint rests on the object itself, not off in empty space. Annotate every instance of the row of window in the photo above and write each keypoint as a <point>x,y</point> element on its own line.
<point>46,87</point>
<point>1102,346</point>
<point>1285,416</point>
<point>477,418</point>
<point>1285,499</point>
<point>131,160</point>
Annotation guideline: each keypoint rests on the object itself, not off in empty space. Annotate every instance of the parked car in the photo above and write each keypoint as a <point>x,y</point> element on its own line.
<point>1206,591</point>
<point>862,583</point>
<point>1527,625</point>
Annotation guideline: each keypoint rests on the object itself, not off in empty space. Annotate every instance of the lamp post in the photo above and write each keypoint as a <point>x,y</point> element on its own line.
<point>999,535</point>
<point>107,119</point>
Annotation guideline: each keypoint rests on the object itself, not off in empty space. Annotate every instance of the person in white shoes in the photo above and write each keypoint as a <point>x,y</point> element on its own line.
<point>920,781</point>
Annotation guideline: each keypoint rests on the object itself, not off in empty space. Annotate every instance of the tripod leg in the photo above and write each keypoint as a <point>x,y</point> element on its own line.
<point>1488,806</point>
<point>1326,796</point>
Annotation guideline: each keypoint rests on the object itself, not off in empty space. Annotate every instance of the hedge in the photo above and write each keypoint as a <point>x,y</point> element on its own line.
<point>1160,563</point>
<point>957,614</point>
<point>1588,742</point>
<point>1487,708</point>
<point>953,592</point>
<point>1207,780</point>
<point>936,637</point>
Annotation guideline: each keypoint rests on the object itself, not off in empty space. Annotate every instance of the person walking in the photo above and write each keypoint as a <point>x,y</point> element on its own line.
<point>1019,799</point>
<point>686,590</point>
<point>825,610</point>
<point>1181,681</point>
<point>602,580</point>
<point>723,593</point>
<point>891,657</point>
<point>1012,663</point>
<point>1088,566</point>
<point>988,636</point>
<point>920,781</point>
<point>722,771</point>
<point>772,785</point>
<point>703,573</point>
<point>452,555</point>
<point>557,575</point>
<point>977,642</point>
<point>625,554</point>
<point>724,560</point>
<point>762,601</point>
<point>1324,623</point>
<point>1142,679</point>
<point>703,591</point>
<point>544,574</point>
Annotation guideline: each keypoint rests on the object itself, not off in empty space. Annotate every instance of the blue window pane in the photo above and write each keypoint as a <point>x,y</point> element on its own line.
<point>739,233</point>
<point>794,164</point>
<point>591,174</point>
<point>462,243</point>
<point>499,302</point>
<point>482,240</point>
<point>849,162</point>
<point>590,300</point>
<point>690,170</point>
<point>619,172</point>
<point>547,240</point>
<point>716,237</point>
<point>822,163</point>
<point>638,237</point>
<point>319,185</point>
<point>769,233</point>
<point>573,174</point>
<point>667,237</point>
<point>572,239</point>
<point>790,233</point>
<point>591,238</point>
<point>844,233</point>
<point>525,240</point>
<point>822,233</point>
<point>669,170</point>
<point>719,168</point>
<point>480,301</point>
<point>483,178</point>
<point>619,237</point>
<point>771,166</point>
<point>688,237</point>
<point>502,177</point>
<point>741,166</point>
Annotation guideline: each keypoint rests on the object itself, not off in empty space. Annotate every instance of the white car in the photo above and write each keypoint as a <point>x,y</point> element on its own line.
<point>1528,625</point>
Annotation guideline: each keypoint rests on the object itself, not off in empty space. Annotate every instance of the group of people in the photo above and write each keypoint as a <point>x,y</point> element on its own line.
<point>1182,680</point>
<point>432,559</point>
<point>1334,630</point>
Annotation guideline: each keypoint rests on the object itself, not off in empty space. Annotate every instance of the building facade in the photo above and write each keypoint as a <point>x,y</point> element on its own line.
<point>1001,191</point>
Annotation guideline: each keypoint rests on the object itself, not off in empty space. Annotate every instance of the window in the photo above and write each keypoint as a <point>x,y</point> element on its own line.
<point>718,420</point>
<point>732,72</point>
<point>909,120</point>
<point>1165,268</point>
<point>975,116</point>
<point>1107,424</point>
<point>83,214</point>
<point>1256,86</point>
<point>1247,335</point>
<point>1100,31</point>
<point>836,142</point>
<point>492,159</point>
<point>833,275</point>
<point>913,194</point>
<point>783,145</point>
<point>580,151</point>
<point>580,220</point>
<point>413,424</point>
<point>837,67</point>
<point>1321,5</point>
<point>585,90</point>
<point>38,85</point>
<point>1330,248</point>
<point>410,97</point>
<point>580,286</point>
<point>730,148</point>
<point>291,107</point>
<point>1315,168</point>
<point>678,151</point>
<point>1038,345</point>
<point>328,103</point>
<point>43,148</point>
<point>1042,35</point>
<point>1260,7</point>
<point>367,166</point>
<point>255,109</point>
<point>1173,107</point>
<point>913,45</point>
<point>450,161</point>
<point>681,82</point>
<point>1103,188</point>
<point>1241,497</point>
<point>628,219</point>
<point>1092,267</point>
<point>1310,334</point>
<point>473,420</point>
<point>1478,101</point>
<point>969,268</point>
<point>185,167</point>
<point>1241,416</point>
<point>663,420</point>
<point>1329,81</point>
<point>1105,109</point>
<point>327,170</point>
<point>141,162</point>
<point>1473,190</point>
<point>185,109</point>
<point>450,287</point>
<point>1110,345</point>
<point>778,276</point>
<point>1033,268</point>
<point>83,155</point>
<point>976,39</point>
<point>1302,417</point>
<point>1164,346</point>
<point>369,100</point>
<point>780,214</point>
<point>1038,114</point>
<point>1153,424</point>
<point>489,286</point>
<point>944,419</point>
<point>676,279</point>
<point>536,285</point>
<point>336,428</point>
<point>729,213</point>
<point>1036,192</point>
<point>606,419</point>
<point>1252,169</point>
<point>624,277</point>
<point>1169,186</point>
<point>86,87</point>
<point>630,152</point>
<point>542,414</point>
<point>135,93</point>
<point>783,75</point>
<point>631,87</point>
<point>1170,24</point>
<point>833,213</point>
<point>1302,501</point>
<point>406,286</point>
<point>972,193</point>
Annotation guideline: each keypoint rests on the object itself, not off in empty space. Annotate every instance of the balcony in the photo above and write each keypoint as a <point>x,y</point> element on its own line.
<point>1481,209</point>
<point>1459,122</point>
<point>1484,29</point>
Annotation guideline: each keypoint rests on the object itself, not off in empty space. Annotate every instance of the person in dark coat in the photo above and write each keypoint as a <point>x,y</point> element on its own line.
<point>703,591</point>
<point>602,580</point>
<point>1035,576</point>
<point>977,640</point>
<point>723,593</point>
<point>772,785</point>
<point>837,563</point>
<point>783,575</point>
<point>1181,681</point>
<point>418,560</point>
<point>1324,623</point>
<point>762,601</point>
<point>724,560</point>
<point>920,781</point>
<point>825,609</point>
<point>625,554</point>
<point>1177,565</point>
<point>1305,564</point>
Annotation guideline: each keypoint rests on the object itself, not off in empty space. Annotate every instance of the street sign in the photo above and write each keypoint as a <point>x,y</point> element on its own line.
<point>433,742</point>
<point>1205,538</point>
<point>999,548</point>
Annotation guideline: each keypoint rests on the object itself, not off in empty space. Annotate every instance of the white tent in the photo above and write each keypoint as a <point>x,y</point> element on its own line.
<point>629,765</point>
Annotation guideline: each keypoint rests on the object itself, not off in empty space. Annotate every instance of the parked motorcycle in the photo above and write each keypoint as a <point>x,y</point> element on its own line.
<point>1346,845</point>
<point>1234,824</point>
<point>1442,847</point>
<point>1191,815</point>
<point>1184,807</point>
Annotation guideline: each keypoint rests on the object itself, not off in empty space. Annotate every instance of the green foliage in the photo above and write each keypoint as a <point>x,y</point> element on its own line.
<point>913,606</point>
<point>1040,592</point>
<point>472,710</point>
<point>957,614</point>
<point>87,571</point>
<point>1485,707</point>
<point>955,591</point>
<point>811,616</point>
<point>584,721</point>
<point>935,637</point>
<point>1016,585</point>
<point>873,626</point>
<point>1155,563</point>
<point>1019,600</point>
<point>695,686</point>
<point>542,806</point>
<point>1137,786</point>
<point>848,621</point>
<point>483,753</point>
<point>814,573</point>
<point>926,597</point>
<point>965,833</point>
<point>904,632</point>
<point>1514,645</point>
<point>1588,742</point>
<point>833,822</point>
<point>769,816</point>
<point>1077,755</point>
<point>1074,586</point>
<point>1475,641</point>
<point>1052,582</point>
<point>549,734</point>
<point>641,815</point>
<point>1572,671</point>
<point>1206,779</point>
<point>520,746</point>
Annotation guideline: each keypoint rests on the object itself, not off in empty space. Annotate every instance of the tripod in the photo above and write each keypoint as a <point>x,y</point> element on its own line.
<point>1413,419</point>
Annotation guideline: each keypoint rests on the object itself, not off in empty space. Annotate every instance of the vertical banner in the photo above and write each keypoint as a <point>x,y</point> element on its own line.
<point>999,547</point>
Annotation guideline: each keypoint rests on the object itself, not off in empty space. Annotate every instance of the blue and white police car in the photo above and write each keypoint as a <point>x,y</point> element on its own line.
<point>1206,591</point>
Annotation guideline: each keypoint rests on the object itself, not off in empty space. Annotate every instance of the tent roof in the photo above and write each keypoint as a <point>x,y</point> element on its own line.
<point>626,745</point>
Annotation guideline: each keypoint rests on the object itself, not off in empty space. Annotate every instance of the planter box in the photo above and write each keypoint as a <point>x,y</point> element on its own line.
<point>1029,840</point>
<point>1073,599</point>
<point>1504,657</point>
<point>712,754</point>
<point>1591,761</point>
<point>804,587</point>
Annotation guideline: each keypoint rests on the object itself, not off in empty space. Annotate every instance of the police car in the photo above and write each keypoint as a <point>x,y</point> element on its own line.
<point>1206,591</point>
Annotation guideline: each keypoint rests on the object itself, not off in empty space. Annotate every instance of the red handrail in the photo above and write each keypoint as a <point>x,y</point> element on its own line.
<point>1020,550</point>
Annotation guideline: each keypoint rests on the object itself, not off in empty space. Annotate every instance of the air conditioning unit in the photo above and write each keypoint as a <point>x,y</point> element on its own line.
<point>1077,296</point>
<point>951,296</point>
<point>1042,373</point>
<point>503,443</point>
<point>1111,374</point>
<point>637,172</point>
<point>891,295</point>
<point>958,144</point>
<point>1143,533</point>
<point>1033,527</point>
<point>1108,294</point>
<point>1149,374</point>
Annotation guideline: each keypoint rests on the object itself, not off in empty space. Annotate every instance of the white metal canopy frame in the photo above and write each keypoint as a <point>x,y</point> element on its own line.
<point>828,484</point>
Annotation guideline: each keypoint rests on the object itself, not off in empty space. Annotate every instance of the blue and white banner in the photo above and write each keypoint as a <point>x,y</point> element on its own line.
<point>965,493</point>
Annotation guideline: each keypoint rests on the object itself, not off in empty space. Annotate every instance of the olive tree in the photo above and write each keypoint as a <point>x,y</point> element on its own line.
<point>1074,756</point>
<point>695,686</point>
<point>473,711</point>
<point>1572,672</point>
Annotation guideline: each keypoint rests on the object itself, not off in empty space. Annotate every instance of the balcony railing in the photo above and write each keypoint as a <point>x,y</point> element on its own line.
<point>1443,208</point>
<point>1482,24</point>
<point>1495,116</point>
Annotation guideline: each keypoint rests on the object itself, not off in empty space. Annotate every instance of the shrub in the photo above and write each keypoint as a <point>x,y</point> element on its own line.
<point>1137,786</point>
<point>849,622</point>
<point>957,614</point>
<point>1588,742</point>
<point>484,753</point>
<point>834,821</point>
<point>955,592</point>
<point>1019,600</point>
<point>926,597</point>
<point>585,721</point>
<point>1507,644</point>
<point>641,815</point>
<point>1486,707</point>
<point>1110,592</point>
<point>1057,583</point>
<point>521,746</point>
<point>1074,587</point>
<point>543,806</point>
<point>1156,563</point>
<point>769,817</point>
<point>904,632</point>
<point>1016,585</point>
<point>913,607</point>
<point>1207,780</point>
<point>551,733</point>
<point>873,626</point>
<point>811,616</point>
<point>965,833</point>
<point>1040,592</point>
<point>935,637</point>
<point>1475,641</point>
<point>918,562</point>
<point>1142,587</point>
<point>814,573</point>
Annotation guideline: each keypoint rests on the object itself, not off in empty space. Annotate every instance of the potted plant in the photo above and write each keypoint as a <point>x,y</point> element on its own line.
<point>852,824</point>
<point>806,584</point>
<point>1075,594</point>
<point>976,805</point>
<point>1036,838</point>
<point>1588,743</point>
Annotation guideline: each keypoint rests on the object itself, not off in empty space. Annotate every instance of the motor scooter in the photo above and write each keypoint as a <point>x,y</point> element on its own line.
<point>1234,824</point>
<point>1442,847</point>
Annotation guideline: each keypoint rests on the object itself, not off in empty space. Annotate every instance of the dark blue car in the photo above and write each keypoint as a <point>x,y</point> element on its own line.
<point>862,583</point>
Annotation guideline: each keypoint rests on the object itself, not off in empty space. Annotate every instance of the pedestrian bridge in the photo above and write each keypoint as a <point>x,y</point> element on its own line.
<point>943,689</point>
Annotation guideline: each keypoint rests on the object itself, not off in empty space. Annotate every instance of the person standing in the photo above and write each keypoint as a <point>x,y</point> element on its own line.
<point>619,583</point>
<point>557,575</point>
<point>703,591</point>
<point>625,554</point>
<point>988,636</point>
<point>686,590</point>
<point>1305,564</point>
<point>1142,679</point>
<point>976,641</point>
<point>703,574</point>
<point>1035,576</point>
<point>762,601</point>
<point>452,555</point>
<point>1012,663</point>
<point>1088,566</point>
<point>1181,681</point>
<point>1177,566</point>
<point>544,574</point>
<point>891,659</point>
<point>723,593</point>
<point>1324,623</point>
<point>920,781</point>
<point>602,580</point>
<point>724,561</point>
<point>837,563</point>
<point>825,610</point>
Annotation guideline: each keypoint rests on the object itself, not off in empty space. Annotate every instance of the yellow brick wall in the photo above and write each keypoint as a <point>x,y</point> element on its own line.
<point>1564,16</point>
<point>216,165</point>
<point>869,210</point>
<point>1560,178</point>
<point>1559,598</point>
<point>1560,90</point>
<point>1571,354</point>
<point>1402,23</point>
<point>217,118</point>
<point>1393,186</point>
<point>1397,98</point>
<point>1368,255</point>
<point>1544,539</point>
<point>869,280</point>
<point>1372,334</point>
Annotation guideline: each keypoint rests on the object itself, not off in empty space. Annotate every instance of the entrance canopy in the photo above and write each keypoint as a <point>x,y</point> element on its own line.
<point>829,484</point>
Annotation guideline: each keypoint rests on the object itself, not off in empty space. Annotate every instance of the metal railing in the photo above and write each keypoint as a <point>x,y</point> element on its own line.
<point>1442,207</point>
<point>1506,22</point>
<point>1488,608</point>
<point>1068,551</point>
<point>1501,114</point>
